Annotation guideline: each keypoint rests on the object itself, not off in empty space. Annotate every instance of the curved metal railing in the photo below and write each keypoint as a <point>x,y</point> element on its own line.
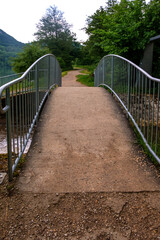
<point>22,100</point>
<point>139,94</point>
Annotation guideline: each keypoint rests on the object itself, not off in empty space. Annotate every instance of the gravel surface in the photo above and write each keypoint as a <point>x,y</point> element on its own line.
<point>118,216</point>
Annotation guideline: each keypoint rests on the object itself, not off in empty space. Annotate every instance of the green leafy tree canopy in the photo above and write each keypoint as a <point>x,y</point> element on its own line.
<point>54,32</point>
<point>31,52</point>
<point>123,27</point>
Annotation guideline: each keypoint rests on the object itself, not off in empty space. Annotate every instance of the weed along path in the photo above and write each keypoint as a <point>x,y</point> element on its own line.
<point>85,177</point>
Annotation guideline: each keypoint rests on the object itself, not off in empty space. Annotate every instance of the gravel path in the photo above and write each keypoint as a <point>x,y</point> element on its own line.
<point>85,176</point>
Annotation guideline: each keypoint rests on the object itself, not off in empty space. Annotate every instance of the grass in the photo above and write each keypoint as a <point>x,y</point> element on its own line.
<point>87,80</point>
<point>64,73</point>
<point>85,71</point>
<point>87,76</point>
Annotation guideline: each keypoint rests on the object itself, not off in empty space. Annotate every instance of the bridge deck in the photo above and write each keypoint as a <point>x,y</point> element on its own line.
<point>84,143</point>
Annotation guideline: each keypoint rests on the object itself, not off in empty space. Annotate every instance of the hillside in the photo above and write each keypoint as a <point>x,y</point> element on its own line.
<point>9,47</point>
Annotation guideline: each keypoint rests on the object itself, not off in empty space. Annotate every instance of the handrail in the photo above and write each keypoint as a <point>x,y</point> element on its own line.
<point>134,65</point>
<point>9,84</point>
<point>22,100</point>
<point>138,93</point>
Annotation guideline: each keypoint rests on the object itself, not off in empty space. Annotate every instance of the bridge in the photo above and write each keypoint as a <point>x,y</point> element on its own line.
<point>83,142</point>
<point>22,100</point>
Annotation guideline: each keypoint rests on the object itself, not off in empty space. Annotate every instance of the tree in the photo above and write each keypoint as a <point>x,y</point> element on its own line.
<point>126,30</point>
<point>31,52</point>
<point>110,6</point>
<point>95,29</point>
<point>119,29</point>
<point>54,32</point>
<point>152,20</point>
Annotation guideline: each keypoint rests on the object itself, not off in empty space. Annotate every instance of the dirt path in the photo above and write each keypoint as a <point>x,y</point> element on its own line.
<point>85,176</point>
<point>69,80</point>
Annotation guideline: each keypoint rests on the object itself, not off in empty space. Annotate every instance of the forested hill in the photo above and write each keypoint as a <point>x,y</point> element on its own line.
<point>9,47</point>
<point>7,40</point>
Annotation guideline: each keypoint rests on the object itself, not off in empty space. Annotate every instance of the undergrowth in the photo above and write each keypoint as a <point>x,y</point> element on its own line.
<point>64,73</point>
<point>87,76</point>
<point>87,80</point>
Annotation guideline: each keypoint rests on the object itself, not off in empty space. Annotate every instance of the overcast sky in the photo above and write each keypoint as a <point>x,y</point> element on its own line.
<point>18,18</point>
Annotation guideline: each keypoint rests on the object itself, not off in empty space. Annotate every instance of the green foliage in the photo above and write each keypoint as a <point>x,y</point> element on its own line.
<point>31,52</point>
<point>87,78</point>
<point>152,20</point>
<point>64,73</point>
<point>84,56</point>
<point>54,32</point>
<point>123,28</point>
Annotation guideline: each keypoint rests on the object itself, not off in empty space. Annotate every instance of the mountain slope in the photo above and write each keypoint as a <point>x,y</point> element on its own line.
<point>7,40</point>
<point>9,47</point>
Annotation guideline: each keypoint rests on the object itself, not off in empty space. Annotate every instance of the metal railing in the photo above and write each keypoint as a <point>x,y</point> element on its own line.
<point>8,78</point>
<point>22,100</point>
<point>139,94</point>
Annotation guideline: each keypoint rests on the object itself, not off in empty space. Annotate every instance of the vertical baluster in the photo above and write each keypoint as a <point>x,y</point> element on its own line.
<point>30,108</point>
<point>20,116</point>
<point>136,78</point>
<point>144,130</point>
<point>9,145</point>
<point>129,80</point>
<point>152,114</point>
<point>49,72</point>
<point>13,130</point>
<point>139,87</point>
<point>141,123</point>
<point>149,104</point>
<point>131,89</point>
<point>25,107</point>
<point>134,92</point>
<point>23,114</point>
<point>126,85</point>
<point>28,102</point>
<point>103,72</point>
<point>157,122</point>
<point>112,73</point>
<point>37,86</point>
<point>133,84</point>
<point>17,119</point>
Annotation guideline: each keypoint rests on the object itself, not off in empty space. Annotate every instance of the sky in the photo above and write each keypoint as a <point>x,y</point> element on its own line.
<point>18,18</point>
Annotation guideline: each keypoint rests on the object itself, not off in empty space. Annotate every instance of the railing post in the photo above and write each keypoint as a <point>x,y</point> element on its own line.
<point>98,74</point>
<point>37,87</point>
<point>56,72</point>
<point>49,75</point>
<point>103,72</point>
<point>94,78</point>
<point>112,72</point>
<point>9,148</point>
<point>129,77</point>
